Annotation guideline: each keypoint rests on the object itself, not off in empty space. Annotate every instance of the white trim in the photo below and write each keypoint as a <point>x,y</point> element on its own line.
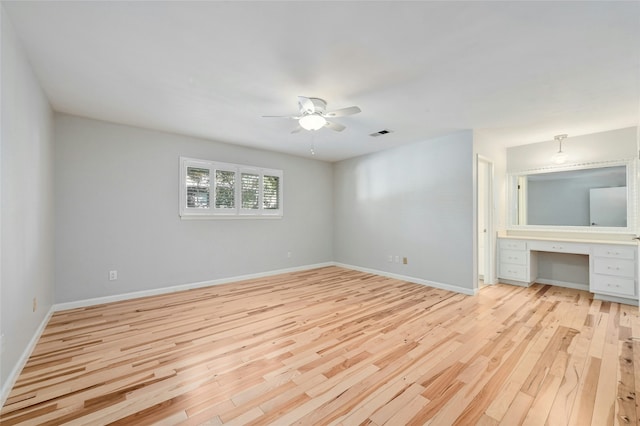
<point>623,300</point>
<point>566,284</point>
<point>189,286</point>
<point>514,282</point>
<point>448,287</point>
<point>227,216</point>
<point>180,287</point>
<point>17,368</point>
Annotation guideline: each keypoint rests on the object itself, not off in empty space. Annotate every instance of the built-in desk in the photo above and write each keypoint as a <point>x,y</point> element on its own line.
<point>613,265</point>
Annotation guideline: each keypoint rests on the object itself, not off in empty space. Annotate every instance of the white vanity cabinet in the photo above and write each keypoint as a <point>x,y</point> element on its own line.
<point>613,268</point>
<point>613,271</point>
<point>514,261</point>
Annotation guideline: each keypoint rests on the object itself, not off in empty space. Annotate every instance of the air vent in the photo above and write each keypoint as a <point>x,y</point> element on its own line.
<point>381,132</point>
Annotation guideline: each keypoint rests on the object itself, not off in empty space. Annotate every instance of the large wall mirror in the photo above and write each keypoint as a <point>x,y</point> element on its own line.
<point>593,198</point>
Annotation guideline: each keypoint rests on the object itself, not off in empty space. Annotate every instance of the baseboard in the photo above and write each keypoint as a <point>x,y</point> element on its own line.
<point>180,287</point>
<point>17,368</point>
<point>514,282</point>
<point>449,287</point>
<point>623,300</point>
<point>566,284</point>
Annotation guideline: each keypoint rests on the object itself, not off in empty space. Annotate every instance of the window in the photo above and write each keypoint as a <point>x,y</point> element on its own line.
<point>211,189</point>
<point>197,188</point>
<point>250,190</point>
<point>271,192</point>
<point>225,194</point>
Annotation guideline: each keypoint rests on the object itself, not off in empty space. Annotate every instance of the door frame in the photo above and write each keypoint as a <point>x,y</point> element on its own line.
<point>489,214</point>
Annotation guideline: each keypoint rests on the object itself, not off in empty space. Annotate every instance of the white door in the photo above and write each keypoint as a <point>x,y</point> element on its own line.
<point>486,270</point>
<point>482,218</point>
<point>608,206</point>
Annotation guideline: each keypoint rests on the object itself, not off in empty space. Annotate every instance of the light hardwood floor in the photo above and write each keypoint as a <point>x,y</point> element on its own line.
<point>335,346</point>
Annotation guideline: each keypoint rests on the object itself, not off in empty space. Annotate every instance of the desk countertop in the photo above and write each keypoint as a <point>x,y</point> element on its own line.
<point>571,240</point>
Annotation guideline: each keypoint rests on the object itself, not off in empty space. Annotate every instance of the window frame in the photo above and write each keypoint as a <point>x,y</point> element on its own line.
<point>237,212</point>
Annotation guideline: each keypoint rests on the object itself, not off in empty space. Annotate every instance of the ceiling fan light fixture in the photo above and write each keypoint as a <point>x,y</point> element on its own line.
<point>312,122</point>
<point>559,157</point>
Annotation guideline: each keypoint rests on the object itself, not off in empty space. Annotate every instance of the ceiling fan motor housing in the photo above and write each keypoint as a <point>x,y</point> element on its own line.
<point>320,106</point>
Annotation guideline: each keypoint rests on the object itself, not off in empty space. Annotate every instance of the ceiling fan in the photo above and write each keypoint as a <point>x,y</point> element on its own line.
<point>313,115</point>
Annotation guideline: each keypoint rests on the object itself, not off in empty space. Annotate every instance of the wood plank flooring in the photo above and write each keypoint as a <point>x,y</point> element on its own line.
<point>335,346</point>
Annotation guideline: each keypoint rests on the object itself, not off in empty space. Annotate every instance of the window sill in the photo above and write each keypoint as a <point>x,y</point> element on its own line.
<point>228,217</point>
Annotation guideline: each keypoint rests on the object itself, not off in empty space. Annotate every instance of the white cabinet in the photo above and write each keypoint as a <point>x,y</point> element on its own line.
<point>613,271</point>
<point>613,268</point>
<point>514,261</point>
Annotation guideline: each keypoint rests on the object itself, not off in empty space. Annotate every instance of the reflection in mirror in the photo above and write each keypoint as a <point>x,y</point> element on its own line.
<point>595,197</point>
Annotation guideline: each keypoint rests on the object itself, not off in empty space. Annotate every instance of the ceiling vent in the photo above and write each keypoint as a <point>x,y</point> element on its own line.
<point>380,133</point>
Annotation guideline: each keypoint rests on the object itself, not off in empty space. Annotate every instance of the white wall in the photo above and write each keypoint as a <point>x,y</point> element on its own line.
<point>497,154</point>
<point>414,201</point>
<point>604,146</point>
<point>117,209</point>
<point>26,254</point>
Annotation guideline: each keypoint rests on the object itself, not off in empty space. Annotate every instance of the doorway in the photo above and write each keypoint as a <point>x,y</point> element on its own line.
<point>485,238</point>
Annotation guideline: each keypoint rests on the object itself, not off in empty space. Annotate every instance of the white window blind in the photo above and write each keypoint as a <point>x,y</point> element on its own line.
<point>198,187</point>
<point>210,189</point>
<point>250,191</point>
<point>225,189</point>
<point>271,192</point>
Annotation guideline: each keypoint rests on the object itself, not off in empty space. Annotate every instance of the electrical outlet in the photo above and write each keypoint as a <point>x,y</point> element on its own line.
<point>390,258</point>
<point>35,304</point>
<point>113,275</point>
<point>289,254</point>
<point>397,259</point>
<point>404,260</point>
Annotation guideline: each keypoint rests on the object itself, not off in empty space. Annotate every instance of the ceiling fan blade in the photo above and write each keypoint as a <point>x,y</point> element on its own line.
<point>281,116</point>
<point>335,126</point>
<point>306,105</point>
<point>343,111</point>
<point>296,130</point>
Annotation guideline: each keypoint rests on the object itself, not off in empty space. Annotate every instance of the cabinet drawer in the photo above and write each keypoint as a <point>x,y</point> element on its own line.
<point>613,285</point>
<point>617,267</point>
<point>513,256</point>
<point>559,247</point>
<point>513,244</point>
<point>615,252</point>
<point>514,272</point>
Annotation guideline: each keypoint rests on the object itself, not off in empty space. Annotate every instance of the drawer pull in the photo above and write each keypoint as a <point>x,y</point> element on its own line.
<point>611,268</point>
<point>613,252</point>
<point>613,285</point>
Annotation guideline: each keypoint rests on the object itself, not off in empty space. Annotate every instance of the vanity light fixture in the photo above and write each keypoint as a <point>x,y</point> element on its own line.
<point>559,157</point>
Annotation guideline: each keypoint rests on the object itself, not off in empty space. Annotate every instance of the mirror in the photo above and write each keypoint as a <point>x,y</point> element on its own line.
<point>597,198</point>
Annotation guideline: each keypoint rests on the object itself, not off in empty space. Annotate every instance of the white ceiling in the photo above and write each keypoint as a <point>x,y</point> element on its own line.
<point>518,72</point>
